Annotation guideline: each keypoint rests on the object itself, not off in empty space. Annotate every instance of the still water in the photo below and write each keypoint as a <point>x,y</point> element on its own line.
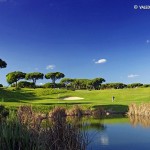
<point>118,133</point>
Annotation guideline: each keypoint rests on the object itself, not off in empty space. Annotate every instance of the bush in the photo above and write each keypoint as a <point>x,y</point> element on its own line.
<point>113,86</point>
<point>25,84</point>
<point>48,85</point>
<point>51,85</point>
<point>60,85</point>
<point>146,85</point>
<point>1,85</point>
<point>134,85</point>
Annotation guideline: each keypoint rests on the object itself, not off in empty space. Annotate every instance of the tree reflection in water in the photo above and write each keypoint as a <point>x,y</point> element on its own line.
<point>87,123</point>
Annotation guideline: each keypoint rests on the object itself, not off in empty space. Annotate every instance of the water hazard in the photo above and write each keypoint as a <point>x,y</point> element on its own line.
<point>117,133</point>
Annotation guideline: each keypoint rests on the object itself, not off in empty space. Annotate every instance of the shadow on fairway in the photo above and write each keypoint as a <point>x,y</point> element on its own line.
<point>15,95</point>
<point>59,103</point>
<point>117,108</point>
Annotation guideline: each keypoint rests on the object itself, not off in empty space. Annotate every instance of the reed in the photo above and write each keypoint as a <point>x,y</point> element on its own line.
<point>76,110</point>
<point>57,112</point>
<point>15,136</point>
<point>20,132</point>
<point>29,118</point>
<point>3,112</point>
<point>139,110</point>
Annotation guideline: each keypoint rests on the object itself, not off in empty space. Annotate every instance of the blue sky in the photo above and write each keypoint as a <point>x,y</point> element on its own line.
<point>81,38</point>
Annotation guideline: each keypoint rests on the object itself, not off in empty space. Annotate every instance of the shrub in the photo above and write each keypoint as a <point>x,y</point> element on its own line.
<point>51,85</point>
<point>48,85</point>
<point>25,84</point>
<point>113,86</point>
<point>134,85</point>
<point>146,85</point>
<point>1,85</point>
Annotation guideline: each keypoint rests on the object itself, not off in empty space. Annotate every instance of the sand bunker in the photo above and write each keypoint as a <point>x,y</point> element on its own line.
<point>73,98</point>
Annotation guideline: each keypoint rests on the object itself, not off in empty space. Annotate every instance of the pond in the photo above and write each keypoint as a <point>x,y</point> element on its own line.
<point>117,133</point>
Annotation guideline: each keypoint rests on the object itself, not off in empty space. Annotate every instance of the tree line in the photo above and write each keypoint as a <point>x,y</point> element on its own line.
<point>13,78</point>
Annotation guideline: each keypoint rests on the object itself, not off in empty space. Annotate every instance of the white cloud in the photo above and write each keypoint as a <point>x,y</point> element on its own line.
<point>101,61</point>
<point>133,75</point>
<point>147,41</point>
<point>50,67</point>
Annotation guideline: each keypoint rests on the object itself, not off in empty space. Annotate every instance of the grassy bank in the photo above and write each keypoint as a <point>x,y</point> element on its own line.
<point>45,99</point>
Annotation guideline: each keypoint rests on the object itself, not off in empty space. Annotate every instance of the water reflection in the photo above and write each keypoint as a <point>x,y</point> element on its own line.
<point>115,132</point>
<point>144,121</point>
<point>104,140</point>
<point>87,123</point>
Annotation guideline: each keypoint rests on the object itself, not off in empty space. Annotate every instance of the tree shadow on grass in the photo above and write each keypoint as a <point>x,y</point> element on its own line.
<point>60,103</point>
<point>114,107</point>
<point>35,98</point>
<point>15,95</point>
<point>22,96</point>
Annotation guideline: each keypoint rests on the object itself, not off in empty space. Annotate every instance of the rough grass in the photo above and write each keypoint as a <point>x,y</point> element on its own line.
<point>45,99</point>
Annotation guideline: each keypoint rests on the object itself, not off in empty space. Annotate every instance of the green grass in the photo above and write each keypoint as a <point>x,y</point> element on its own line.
<point>48,98</point>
